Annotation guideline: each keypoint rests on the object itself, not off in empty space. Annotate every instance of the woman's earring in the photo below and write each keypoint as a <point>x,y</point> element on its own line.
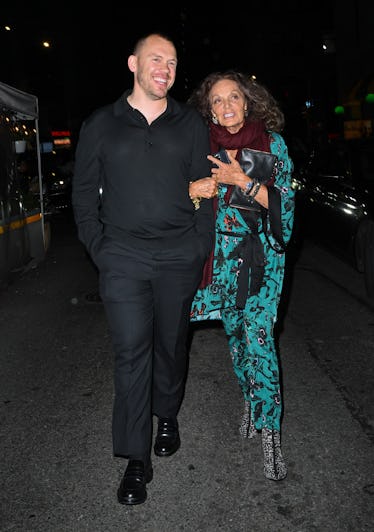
<point>214,119</point>
<point>245,111</point>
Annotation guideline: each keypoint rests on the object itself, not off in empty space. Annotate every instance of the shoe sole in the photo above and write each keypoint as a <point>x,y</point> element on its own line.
<point>130,502</point>
<point>166,453</point>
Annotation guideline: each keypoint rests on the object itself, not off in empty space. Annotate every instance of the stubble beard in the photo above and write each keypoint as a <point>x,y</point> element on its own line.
<point>150,91</point>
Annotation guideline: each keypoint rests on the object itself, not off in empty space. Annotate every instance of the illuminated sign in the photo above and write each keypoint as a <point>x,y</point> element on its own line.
<point>356,129</point>
<point>60,133</point>
<point>65,142</point>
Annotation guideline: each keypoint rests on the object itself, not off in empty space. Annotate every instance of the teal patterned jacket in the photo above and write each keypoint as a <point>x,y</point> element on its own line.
<point>231,230</point>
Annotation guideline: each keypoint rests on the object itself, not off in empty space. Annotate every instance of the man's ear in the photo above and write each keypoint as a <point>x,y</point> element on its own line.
<point>131,63</point>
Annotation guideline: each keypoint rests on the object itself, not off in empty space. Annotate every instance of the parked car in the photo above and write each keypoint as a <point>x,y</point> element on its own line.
<point>335,202</point>
<point>57,168</point>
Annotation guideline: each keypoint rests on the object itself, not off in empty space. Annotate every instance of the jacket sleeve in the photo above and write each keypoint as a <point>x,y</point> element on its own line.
<point>280,216</point>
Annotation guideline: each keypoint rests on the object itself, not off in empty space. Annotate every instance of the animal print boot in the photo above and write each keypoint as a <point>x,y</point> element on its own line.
<point>247,428</point>
<point>274,465</point>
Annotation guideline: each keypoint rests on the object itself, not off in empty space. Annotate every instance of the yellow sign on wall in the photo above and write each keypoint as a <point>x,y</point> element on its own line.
<point>358,129</point>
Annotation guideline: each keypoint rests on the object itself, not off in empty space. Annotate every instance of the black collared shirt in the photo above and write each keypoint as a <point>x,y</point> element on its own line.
<point>143,172</point>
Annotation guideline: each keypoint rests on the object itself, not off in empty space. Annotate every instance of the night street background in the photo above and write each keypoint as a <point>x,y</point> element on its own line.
<point>86,65</point>
<point>56,389</point>
<point>57,471</point>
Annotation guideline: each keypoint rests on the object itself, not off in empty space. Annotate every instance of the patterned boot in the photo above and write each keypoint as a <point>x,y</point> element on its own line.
<point>247,428</point>
<point>274,465</point>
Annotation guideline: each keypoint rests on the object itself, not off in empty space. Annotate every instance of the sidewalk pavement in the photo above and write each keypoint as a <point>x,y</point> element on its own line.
<point>57,469</point>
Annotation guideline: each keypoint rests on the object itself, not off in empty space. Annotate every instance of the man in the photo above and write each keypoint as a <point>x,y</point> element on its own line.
<point>149,244</point>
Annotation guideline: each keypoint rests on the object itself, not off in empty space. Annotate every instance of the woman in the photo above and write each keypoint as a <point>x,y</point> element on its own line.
<point>248,266</point>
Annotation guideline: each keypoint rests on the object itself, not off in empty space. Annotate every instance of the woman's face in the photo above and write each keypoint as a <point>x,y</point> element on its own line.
<point>227,104</point>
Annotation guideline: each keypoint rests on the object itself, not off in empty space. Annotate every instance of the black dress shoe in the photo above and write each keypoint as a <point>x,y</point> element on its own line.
<point>167,440</point>
<point>132,489</point>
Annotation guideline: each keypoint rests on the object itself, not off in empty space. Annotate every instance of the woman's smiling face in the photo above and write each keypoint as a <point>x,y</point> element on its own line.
<point>228,104</point>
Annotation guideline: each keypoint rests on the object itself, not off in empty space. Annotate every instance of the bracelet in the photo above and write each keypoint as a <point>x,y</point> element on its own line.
<point>255,190</point>
<point>195,201</point>
<point>249,187</point>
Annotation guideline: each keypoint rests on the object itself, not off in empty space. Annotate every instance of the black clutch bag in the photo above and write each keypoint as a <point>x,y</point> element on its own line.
<point>258,165</point>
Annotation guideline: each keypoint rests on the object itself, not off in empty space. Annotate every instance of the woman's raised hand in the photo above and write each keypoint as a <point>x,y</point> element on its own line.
<point>228,173</point>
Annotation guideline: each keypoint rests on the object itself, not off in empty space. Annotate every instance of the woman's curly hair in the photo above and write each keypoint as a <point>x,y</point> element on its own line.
<point>261,104</point>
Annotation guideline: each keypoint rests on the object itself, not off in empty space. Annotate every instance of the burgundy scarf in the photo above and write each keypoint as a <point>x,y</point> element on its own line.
<point>251,135</point>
